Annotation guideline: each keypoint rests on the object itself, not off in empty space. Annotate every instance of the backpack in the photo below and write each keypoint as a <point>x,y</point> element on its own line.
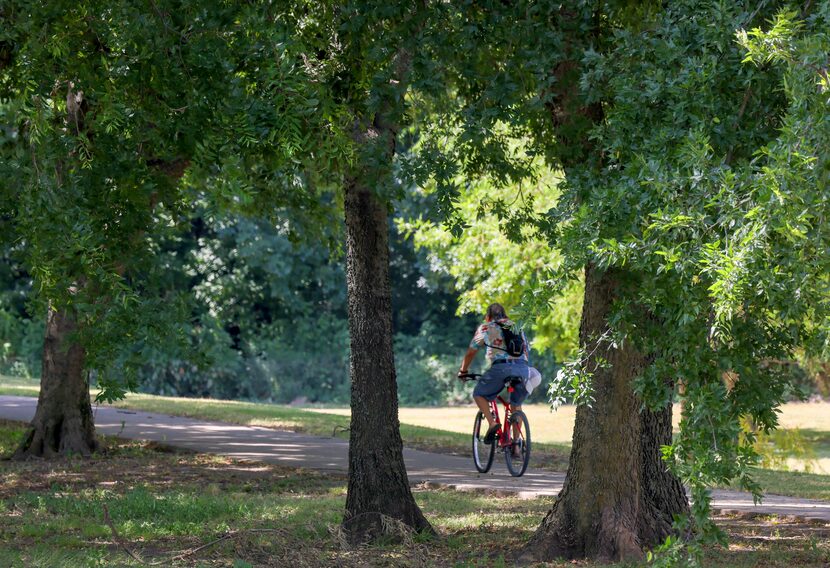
<point>514,343</point>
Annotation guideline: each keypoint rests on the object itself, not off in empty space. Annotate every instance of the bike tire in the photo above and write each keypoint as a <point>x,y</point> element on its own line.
<point>482,453</point>
<point>517,466</point>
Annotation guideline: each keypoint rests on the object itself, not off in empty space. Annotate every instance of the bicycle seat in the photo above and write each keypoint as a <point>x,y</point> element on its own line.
<point>513,380</point>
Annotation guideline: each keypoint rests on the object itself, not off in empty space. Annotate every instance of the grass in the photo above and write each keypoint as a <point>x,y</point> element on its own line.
<point>164,505</point>
<point>549,455</point>
<point>794,483</point>
<point>547,427</point>
<point>450,426</point>
<point>15,386</point>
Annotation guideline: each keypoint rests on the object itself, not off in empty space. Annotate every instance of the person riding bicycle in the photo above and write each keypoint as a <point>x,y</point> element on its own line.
<point>503,365</point>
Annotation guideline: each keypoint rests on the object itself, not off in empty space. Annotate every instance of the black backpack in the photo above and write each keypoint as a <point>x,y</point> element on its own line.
<point>514,344</point>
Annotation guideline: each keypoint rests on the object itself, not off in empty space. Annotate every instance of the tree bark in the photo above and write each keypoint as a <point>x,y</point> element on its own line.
<point>63,422</point>
<point>618,498</point>
<point>378,487</point>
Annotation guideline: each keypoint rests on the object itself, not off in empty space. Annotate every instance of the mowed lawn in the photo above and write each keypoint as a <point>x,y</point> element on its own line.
<point>546,427</point>
<point>447,429</point>
<point>812,419</point>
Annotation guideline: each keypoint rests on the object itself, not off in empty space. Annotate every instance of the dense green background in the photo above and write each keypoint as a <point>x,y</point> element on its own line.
<point>266,313</point>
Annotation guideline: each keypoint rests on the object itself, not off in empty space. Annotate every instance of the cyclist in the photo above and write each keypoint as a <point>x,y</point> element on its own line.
<point>502,366</point>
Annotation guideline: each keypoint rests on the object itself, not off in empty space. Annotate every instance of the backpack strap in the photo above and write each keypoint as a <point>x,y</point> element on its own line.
<point>502,328</point>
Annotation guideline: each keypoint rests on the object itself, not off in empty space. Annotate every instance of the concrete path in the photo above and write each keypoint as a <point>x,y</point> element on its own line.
<point>331,454</point>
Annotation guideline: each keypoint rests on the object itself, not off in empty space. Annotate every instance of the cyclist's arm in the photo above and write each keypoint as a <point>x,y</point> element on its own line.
<point>476,344</point>
<point>468,358</point>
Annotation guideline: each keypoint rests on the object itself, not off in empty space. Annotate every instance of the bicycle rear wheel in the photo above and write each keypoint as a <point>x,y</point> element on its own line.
<point>482,453</point>
<point>517,465</point>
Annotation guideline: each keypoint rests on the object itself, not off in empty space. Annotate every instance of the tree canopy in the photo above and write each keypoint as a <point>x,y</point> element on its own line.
<point>688,143</point>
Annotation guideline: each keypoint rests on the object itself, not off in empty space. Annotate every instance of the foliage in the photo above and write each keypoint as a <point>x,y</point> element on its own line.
<point>691,146</point>
<point>21,335</point>
<point>495,260</point>
<point>267,314</point>
<point>574,380</point>
<point>816,375</point>
<point>713,198</point>
<point>775,447</point>
<point>110,112</point>
<point>427,363</point>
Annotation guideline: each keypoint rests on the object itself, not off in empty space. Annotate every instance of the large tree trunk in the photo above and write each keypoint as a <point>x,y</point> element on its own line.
<point>378,486</point>
<point>63,422</point>
<point>618,498</point>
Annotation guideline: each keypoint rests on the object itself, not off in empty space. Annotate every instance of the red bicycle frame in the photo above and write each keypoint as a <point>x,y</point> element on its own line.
<point>504,434</point>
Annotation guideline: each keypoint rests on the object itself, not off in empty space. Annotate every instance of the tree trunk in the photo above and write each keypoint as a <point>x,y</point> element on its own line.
<point>63,422</point>
<point>378,486</point>
<point>618,498</point>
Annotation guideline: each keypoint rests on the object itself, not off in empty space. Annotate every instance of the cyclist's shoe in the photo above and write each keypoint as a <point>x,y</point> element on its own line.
<point>491,434</point>
<point>517,451</point>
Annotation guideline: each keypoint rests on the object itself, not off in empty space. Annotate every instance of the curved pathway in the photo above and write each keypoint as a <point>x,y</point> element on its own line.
<point>331,455</point>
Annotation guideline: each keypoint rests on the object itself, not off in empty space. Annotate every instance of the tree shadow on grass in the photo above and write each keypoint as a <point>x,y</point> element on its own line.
<point>758,541</point>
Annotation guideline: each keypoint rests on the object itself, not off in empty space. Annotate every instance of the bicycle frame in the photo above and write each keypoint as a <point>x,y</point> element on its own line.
<point>505,435</point>
<point>508,434</point>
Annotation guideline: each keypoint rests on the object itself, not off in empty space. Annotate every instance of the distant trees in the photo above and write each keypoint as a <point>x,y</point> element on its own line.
<point>260,295</point>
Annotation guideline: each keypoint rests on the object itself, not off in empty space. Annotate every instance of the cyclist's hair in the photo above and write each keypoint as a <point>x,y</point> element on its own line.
<point>496,312</point>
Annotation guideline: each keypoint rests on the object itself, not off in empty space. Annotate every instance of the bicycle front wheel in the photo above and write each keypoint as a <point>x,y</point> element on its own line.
<point>517,455</point>
<point>482,453</point>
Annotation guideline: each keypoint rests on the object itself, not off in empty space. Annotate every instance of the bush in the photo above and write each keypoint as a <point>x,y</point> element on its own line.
<point>21,345</point>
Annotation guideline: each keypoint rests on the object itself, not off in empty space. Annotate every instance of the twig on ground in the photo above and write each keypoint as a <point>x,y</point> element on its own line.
<point>117,536</point>
<point>224,537</point>
<point>337,532</point>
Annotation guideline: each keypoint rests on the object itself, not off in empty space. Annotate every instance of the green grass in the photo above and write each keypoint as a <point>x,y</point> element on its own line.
<point>11,435</point>
<point>794,483</point>
<point>818,441</point>
<point>552,456</point>
<point>15,386</point>
<point>163,504</point>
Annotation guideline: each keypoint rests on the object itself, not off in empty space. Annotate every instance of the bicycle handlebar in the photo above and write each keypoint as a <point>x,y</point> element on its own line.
<point>469,376</point>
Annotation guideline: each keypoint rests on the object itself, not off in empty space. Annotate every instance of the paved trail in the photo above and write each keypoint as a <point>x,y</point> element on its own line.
<point>331,454</point>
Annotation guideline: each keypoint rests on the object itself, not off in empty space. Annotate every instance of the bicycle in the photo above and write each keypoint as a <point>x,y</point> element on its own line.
<point>507,439</point>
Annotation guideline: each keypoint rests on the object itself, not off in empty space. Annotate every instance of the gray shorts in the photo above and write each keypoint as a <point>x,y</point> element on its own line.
<point>493,381</point>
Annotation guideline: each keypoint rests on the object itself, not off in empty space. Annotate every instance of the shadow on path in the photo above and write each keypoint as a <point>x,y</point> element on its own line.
<point>331,454</point>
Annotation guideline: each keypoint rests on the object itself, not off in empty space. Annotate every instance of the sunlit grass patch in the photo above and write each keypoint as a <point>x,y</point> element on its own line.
<point>11,434</point>
<point>794,483</point>
<point>254,514</point>
<point>544,424</point>
<point>17,386</point>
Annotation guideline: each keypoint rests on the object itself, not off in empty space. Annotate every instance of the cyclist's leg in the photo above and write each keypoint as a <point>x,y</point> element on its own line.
<point>487,389</point>
<point>519,394</point>
<point>484,406</point>
<point>517,397</point>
